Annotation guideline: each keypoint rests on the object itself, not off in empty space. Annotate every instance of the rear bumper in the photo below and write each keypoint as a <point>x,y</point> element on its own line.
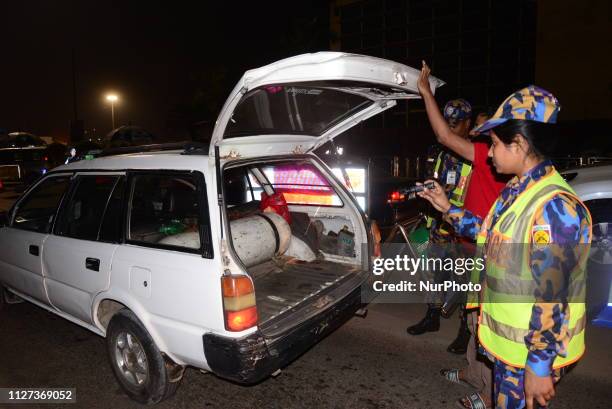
<point>251,359</point>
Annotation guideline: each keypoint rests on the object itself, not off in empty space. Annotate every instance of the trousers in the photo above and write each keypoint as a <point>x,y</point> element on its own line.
<point>479,372</point>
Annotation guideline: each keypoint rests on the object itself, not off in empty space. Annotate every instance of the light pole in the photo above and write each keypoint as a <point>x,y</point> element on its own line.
<point>112,98</point>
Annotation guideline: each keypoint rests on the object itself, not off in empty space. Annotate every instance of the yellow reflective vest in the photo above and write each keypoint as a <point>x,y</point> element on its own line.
<point>457,195</point>
<point>507,297</point>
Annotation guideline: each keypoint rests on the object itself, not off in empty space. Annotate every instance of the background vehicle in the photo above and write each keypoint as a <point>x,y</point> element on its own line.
<point>20,140</point>
<point>593,184</point>
<point>128,135</point>
<point>23,159</point>
<point>20,167</point>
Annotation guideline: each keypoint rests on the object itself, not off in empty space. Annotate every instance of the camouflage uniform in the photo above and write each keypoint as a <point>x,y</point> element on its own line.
<point>548,335</point>
<point>448,170</point>
<point>440,231</point>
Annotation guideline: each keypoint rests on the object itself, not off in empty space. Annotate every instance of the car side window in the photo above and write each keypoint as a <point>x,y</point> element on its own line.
<point>81,217</point>
<point>164,211</point>
<point>112,225</point>
<point>37,210</point>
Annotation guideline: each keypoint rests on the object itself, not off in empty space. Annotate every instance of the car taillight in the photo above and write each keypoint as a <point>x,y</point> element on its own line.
<point>239,303</point>
<point>396,196</point>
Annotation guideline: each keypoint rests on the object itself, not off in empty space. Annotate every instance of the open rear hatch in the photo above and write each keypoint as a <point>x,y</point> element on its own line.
<point>273,118</point>
<point>297,104</point>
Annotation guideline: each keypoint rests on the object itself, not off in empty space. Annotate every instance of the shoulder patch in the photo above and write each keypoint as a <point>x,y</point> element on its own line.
<point>541,234</point>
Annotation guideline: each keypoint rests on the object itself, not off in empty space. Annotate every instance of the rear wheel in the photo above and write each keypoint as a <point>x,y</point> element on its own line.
<point>137,363</point>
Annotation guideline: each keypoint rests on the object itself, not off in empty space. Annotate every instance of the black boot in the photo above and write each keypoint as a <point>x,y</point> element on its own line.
<point>459,345</point>
<point>430,323</point>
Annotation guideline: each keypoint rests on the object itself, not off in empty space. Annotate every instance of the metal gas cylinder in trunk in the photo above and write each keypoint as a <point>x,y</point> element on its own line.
<point>260,237</point>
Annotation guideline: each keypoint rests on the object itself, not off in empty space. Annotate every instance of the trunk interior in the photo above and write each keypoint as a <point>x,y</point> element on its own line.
<point>320,236</point>
<point>284,283</point>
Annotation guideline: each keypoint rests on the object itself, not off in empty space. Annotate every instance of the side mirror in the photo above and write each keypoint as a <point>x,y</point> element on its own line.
<point>4,219</point>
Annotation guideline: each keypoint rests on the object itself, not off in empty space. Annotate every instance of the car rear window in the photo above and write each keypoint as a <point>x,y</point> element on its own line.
<point>292,109</point>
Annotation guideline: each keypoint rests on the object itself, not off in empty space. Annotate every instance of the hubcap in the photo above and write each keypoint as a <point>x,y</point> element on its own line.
<point>601,246</point>
<point>131,359</point>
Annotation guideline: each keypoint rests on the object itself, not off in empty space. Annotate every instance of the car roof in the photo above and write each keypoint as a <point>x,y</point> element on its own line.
<point>595,171</point>
<point>591,182</point>
<point>591,166</point>
<point>23,148</point>
<point>165,160</point>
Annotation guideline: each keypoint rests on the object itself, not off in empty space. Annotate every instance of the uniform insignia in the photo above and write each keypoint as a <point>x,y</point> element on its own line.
<point>451,177</point>
<point>541,234</point>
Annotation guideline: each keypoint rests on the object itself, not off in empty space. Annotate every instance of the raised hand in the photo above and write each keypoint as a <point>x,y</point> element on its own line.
<point>423,82</point>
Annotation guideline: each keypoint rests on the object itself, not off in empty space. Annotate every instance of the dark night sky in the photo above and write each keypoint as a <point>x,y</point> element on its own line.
<point>156,55</point>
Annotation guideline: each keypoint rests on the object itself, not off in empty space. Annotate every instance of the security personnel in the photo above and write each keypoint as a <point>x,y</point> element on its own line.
<point>450,169</point>
<point>484,186</point>
<point>454,173</point>
<point>535,239</point>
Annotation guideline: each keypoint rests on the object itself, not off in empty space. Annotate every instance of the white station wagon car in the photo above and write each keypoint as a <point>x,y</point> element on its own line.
<point>167,254</point>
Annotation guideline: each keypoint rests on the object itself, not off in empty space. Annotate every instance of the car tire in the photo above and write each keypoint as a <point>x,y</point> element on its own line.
<point>600,258</point>
<point>136,361</point>
<point>601,247</point>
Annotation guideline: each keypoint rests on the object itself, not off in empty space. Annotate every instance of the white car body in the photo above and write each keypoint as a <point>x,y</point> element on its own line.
<point>177,295</point>
<point>591,182</point>
<point>593,185</point>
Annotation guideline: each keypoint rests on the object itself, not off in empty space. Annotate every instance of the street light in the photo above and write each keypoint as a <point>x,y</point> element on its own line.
<point>112,98</point>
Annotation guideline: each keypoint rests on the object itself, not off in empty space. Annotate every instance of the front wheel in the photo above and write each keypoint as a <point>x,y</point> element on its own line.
<point>137,363</point>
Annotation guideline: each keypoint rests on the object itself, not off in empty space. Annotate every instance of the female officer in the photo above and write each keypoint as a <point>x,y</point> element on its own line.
<point>529,341</point>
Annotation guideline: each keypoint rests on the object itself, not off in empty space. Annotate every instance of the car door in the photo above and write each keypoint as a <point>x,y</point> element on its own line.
<point>22,241</point>
<point>77,256</point>
<point>166,262</point>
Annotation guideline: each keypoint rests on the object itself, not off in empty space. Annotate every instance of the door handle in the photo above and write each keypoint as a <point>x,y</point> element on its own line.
<point>92,264</point>
<point>34,250</point>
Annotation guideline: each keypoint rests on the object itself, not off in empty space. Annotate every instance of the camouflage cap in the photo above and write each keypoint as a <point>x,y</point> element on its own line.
<point>457,110</point>
<point>530,103</point>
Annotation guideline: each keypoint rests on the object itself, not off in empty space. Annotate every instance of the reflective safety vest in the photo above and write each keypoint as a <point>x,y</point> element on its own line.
<point>508,296</point>
<point>461,182</point>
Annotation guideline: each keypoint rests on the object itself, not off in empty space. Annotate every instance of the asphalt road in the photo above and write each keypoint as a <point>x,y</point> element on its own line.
<point>367,363</point>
